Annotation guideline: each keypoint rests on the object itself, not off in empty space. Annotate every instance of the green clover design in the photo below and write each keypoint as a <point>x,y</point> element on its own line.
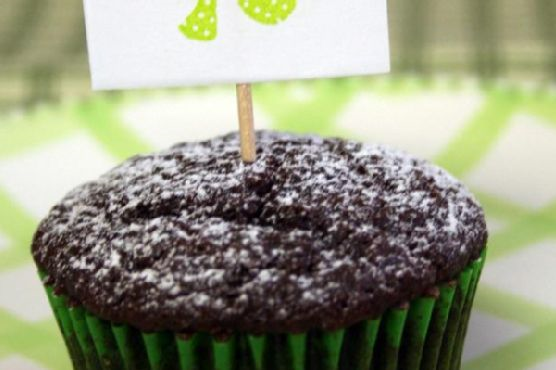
<point>202,23</point>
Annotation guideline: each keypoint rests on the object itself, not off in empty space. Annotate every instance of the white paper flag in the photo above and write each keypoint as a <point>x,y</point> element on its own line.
<point>154,43</point>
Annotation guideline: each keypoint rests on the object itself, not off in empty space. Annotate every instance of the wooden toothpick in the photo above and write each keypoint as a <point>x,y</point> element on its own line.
<point>246,124</point>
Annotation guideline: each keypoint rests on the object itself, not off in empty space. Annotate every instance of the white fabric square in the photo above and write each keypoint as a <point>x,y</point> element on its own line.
<point>529,273</point>
<point>23,295</point>
<point>435,118</point>
<point>18,363</point>
<point>39,178</point>
<point>487,332</point>
<point>522,165</point>
<point>164,120</point>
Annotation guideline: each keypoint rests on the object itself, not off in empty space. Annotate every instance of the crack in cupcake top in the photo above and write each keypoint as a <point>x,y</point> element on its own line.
<point>318,233</point>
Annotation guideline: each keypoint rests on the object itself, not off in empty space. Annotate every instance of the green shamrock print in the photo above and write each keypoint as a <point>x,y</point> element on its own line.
<point>201,24</point>
<point>268,11</point>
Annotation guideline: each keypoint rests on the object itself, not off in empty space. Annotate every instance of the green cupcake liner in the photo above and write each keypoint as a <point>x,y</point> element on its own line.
<point>426,334</point>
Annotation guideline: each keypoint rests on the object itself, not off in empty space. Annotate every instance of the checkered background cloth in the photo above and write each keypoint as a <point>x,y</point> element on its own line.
<point>498,138</point>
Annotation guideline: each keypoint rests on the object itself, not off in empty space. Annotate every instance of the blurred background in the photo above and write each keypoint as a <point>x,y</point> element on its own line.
<point>472,89</point>
<point>43,53</point>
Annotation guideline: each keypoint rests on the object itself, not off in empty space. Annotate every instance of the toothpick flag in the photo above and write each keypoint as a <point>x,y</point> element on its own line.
<point>155,43</point>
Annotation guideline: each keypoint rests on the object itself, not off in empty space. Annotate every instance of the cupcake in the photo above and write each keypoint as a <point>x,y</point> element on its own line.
<point>323,254</point>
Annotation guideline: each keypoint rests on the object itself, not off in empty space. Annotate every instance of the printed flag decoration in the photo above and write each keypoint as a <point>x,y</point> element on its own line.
<point>146,43</point>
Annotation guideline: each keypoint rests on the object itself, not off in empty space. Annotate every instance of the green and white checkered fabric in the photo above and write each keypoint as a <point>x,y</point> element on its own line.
<point>500,140</point>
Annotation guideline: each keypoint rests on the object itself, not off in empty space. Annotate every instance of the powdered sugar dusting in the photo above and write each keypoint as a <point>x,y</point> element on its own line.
<point>316,233</point>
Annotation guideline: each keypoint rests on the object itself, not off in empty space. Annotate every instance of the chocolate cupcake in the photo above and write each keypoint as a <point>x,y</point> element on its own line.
<point>323,254</point>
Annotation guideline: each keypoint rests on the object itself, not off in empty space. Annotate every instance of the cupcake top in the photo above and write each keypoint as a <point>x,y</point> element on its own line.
<point>317,233</point>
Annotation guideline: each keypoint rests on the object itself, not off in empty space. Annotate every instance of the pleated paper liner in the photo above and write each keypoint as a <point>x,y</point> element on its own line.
<point>426,334</point>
